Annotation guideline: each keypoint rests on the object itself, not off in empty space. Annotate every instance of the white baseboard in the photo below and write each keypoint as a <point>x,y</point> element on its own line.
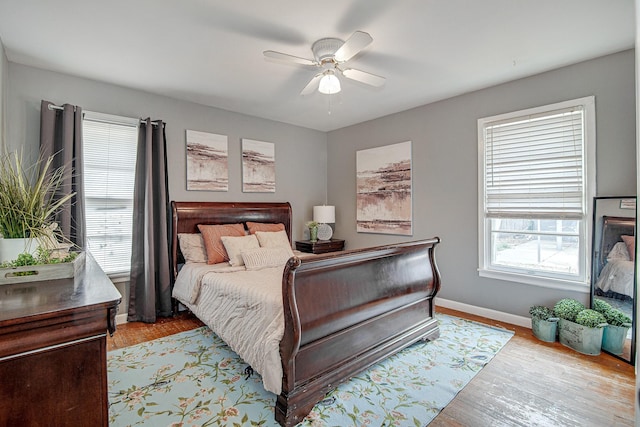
<point>121,318</point>
<point>453,305</point>
<point>484,312</point>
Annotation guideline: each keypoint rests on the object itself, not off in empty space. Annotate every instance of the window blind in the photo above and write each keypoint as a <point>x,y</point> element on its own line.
<point>534,166</point>
<point>109,144</point>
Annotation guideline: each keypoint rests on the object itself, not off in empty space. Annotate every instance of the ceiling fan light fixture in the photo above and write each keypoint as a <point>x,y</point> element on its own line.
<point>329,84</point>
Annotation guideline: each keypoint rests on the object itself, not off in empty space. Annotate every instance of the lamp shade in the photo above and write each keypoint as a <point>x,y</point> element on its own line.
<point>324,214</point>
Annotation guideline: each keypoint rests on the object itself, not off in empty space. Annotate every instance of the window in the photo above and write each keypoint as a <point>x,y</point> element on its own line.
<point>110,144</point>
<point>537,176</point>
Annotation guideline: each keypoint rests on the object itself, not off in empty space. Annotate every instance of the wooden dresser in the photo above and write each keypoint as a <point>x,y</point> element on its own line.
<point>53,349</point>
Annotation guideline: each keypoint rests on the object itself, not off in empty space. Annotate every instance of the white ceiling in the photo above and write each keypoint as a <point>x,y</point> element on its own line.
<point>210,51</point>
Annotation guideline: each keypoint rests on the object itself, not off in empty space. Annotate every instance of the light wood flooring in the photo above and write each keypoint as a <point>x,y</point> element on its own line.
<point>528,383</point>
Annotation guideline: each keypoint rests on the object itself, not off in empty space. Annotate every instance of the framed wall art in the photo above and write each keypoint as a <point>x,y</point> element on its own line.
<point>258,166</point>
<point>207,161</point>
<point>383,186</point>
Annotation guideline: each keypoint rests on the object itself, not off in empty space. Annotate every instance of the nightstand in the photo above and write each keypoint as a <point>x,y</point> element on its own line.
<point>320,246</point>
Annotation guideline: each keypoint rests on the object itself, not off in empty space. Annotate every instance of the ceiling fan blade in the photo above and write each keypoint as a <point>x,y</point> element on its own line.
<point>364,77</point>
<point>358,41</point>
<point>272,54</point>
<point>312,85</point>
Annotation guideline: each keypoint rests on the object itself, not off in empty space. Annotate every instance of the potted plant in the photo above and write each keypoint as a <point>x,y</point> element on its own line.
<point>30,196</point>
<point>313,231</point>
<point>544,324</point>
<point>615,332</point>
<point>568,309</point>
<point>579,328</point>
<point>601,305</point>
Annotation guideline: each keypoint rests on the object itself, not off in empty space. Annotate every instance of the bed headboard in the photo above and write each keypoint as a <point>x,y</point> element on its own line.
<point>187,215</point>
<point>612,228</point>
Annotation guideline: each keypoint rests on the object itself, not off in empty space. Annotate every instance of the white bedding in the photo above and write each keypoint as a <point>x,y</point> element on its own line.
<point>242,307</point>
<point>617,276</point>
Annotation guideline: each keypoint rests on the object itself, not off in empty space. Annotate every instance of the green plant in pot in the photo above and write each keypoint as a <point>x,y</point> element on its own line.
<point>591,319</point>
<point>579,328</point>
<point>543,323</point>
<point>30,196</point>
<point>568,309</point>
<point>601,306</point>
<point>615,332</point>
<point>313,230</point>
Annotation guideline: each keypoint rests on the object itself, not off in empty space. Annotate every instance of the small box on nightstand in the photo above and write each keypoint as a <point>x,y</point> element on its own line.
<point>320,246</point>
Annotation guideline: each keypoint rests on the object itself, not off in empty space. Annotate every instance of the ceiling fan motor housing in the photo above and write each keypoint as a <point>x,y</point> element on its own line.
<point>324,49</point>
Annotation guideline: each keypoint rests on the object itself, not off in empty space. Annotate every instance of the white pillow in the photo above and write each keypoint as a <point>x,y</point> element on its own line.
<point>192,247</point>
<point>259,258</point>
<point>274,239</point>
<point>619,251</point>
<point>235,245</point>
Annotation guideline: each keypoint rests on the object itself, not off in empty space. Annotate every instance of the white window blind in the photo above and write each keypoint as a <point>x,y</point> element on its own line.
<point>534,166</point>
<point>110,144</point>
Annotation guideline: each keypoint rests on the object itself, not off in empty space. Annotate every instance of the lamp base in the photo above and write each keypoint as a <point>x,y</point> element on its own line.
<point>324,232</point>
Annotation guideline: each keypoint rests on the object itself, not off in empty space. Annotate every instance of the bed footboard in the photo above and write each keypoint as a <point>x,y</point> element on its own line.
<point>347,311</point>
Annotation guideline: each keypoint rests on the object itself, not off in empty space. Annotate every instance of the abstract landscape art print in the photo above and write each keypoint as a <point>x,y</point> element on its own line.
<point>258,166</point>
<point>207,161</point>
<point>383,180</point>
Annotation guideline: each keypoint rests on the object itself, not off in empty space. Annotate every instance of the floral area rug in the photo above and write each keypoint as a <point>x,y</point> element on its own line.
<point>194,379</point>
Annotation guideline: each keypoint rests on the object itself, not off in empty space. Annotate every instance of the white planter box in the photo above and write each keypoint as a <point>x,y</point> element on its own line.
<point>41,271</point>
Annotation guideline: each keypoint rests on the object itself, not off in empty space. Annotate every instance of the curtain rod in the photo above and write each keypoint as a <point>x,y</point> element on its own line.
<point>57,107</point>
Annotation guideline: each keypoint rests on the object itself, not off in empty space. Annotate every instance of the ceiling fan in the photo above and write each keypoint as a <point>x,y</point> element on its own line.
<point>331,54</point>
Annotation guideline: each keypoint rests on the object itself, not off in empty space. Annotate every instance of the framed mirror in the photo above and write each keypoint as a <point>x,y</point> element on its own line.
<point>613,277</point>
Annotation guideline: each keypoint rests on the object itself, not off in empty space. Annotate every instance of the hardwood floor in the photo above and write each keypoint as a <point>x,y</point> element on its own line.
<point>528,383</point>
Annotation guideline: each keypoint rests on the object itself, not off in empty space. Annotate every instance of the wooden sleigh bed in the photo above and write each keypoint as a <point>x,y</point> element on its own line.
<point>343,312</point>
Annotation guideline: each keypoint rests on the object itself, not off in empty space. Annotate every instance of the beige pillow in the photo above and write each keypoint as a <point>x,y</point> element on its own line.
<point>192,247</point>
<point>253,227</point>
<point>274,239</point>
<point>259,258</point>
<point>211,234</point>
<point>235,246</point>
<point>630,241</point>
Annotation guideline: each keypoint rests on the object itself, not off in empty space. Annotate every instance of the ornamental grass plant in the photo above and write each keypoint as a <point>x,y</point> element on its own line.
<point>30,195</point>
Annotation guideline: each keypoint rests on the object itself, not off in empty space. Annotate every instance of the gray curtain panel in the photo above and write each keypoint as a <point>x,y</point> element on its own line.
<point>61,135</point>
<point>150,283</point>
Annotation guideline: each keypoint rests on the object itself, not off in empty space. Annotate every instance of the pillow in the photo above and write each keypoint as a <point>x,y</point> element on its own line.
<point>192,247</point>
<point>259,258</point>
<point>235,245</point>
<point>261,226</point>
<point>630,241</point>
<point>619,252</point>
<point>211,234</point>
<point>274,239</point>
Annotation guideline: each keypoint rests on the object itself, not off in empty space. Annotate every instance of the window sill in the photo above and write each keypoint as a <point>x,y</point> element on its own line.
<point>119,277</point>
<point>564,285</point>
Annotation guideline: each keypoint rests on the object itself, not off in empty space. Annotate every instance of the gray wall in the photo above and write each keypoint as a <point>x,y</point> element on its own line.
<point>312,164</point>
<point>300,153</point>
<point>445,169</point>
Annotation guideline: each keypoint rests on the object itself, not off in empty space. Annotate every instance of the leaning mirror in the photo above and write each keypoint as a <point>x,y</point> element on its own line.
<point>613,278</point>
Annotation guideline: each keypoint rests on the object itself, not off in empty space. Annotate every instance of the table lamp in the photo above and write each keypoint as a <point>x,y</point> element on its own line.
<point>324,215</point>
